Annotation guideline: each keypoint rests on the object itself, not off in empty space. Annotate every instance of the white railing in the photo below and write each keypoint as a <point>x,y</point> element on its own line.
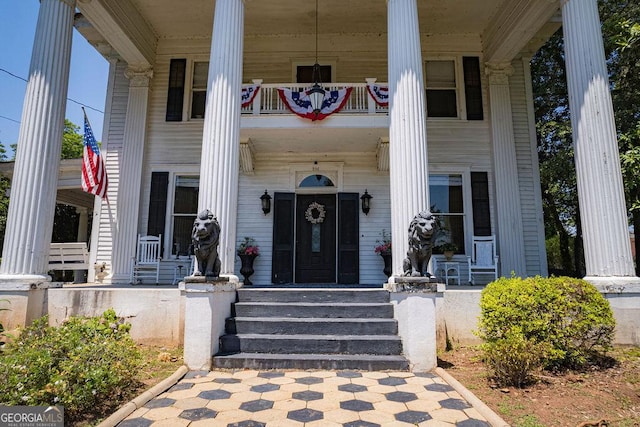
<point>267,100</point>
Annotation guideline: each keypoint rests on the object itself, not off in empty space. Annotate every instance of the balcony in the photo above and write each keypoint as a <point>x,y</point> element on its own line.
<point>267,101</point>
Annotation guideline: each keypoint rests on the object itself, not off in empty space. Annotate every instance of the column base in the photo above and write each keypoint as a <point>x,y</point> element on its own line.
<point>25,282</point>
<point>25,298</point>
<point>615,284</point>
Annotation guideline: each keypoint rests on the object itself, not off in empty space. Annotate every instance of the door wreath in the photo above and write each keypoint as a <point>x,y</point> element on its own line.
<point>309,214</point>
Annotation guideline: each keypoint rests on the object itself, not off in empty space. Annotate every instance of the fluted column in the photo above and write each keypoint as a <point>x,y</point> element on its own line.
<point>125,234</point>
<point>408,172</point>
<point>600,190</point>
<point>221,136</point>
<point>33,188</point>
<point>509,211</point>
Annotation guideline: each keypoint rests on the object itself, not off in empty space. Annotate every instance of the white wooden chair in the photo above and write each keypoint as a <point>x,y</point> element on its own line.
<point>483,259</point>
<point>146,264</point>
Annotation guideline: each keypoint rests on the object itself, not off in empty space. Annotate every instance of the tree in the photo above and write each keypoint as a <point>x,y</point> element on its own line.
<point>621,33</point>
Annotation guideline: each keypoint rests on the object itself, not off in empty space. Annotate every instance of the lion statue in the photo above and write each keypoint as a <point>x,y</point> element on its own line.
<point>204,240</point>
<point>422,230</point>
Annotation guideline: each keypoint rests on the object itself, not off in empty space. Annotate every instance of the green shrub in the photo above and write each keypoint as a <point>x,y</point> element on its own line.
<point>568,317</point>
<point>76,365</point>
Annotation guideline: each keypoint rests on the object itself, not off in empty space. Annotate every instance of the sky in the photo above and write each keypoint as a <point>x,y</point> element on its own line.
<point>87,80</point>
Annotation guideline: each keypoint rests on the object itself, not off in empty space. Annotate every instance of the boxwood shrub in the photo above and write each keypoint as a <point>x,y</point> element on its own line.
<point>77,364</point>
<point>563,319</point>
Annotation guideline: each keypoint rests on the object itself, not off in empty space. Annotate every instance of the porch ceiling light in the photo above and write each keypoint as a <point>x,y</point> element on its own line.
<point>316,93</point>
<point>366,202</point>
<point>265,200</point>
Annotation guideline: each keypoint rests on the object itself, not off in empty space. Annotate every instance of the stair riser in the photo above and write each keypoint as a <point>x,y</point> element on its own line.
<point>234,344</point>
<point>382,311</point>
<point>313,296</point>
<point>316,328</point>
<point>360,365</point>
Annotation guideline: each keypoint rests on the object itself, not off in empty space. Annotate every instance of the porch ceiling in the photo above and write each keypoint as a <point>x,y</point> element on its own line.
<point>194,18</point>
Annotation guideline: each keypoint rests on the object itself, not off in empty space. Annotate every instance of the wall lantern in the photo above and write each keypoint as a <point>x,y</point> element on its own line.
<point>366,202</point>
<point>265,200</point>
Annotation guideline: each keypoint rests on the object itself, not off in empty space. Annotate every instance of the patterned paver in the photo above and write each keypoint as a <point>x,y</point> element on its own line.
<point>307,398</point>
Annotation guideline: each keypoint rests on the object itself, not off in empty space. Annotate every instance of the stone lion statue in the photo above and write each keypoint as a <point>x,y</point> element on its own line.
<point>422,230</point>
<point>204,240</point>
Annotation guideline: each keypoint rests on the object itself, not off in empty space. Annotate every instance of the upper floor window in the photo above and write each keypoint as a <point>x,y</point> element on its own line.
<point>445,91</point>
<point>182,75</point>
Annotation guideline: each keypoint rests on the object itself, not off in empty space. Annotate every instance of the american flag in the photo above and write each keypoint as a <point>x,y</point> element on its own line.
<point>94,173</point>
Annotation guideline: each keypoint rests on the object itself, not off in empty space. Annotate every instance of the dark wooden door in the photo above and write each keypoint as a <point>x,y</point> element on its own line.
<point>316,243</point>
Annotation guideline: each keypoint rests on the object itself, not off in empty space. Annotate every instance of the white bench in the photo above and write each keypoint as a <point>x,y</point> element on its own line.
<point>68,256</point>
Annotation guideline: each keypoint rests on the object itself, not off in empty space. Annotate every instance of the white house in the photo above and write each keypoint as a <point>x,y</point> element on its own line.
<point>457,135</point>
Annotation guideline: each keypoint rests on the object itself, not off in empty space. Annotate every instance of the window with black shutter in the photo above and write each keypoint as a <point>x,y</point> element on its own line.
<point>158,203</point>
<point>480,201</point>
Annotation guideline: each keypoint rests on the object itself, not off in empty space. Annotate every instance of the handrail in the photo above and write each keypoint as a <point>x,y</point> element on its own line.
<point>267,100</point>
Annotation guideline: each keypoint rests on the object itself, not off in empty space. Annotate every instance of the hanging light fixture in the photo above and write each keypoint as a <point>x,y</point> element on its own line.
<point>316,93</point>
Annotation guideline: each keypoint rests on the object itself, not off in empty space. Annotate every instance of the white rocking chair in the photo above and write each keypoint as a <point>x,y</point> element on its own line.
<point>483,259</point>
<point>146,264</point>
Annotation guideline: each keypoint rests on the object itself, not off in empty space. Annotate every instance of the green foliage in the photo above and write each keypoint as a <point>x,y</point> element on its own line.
<point>3,336</point>
<point>78,364</point>
<point>565,319</point>
<point>72,144</point>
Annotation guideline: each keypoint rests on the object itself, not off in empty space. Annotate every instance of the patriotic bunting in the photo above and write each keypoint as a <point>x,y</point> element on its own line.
<point>299,102</point>
<point>379,93</point>
<point>248,94</point>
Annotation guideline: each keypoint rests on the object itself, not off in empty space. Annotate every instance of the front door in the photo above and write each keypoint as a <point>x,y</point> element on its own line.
<point>315,239</point>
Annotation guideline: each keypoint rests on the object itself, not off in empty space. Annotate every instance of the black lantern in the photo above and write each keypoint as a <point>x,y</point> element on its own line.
<point>265,199</point>
<point>366,202</point>
<point>316,93</point>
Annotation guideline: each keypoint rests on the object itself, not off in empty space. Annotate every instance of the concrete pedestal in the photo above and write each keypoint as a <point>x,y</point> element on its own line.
<point>414,301</point>
<point>207,305</point>
<point>25,298</point>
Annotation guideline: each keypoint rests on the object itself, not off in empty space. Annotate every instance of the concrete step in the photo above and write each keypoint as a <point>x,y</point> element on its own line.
<point>317,310</point>
<point>311,344</point>
<point>312,326</point>
<point>313,295</point>
<point>367,362</point>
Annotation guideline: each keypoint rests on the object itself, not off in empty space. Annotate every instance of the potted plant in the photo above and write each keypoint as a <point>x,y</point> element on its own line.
<point>383,248</point>
<point>248,250</point>
<point>448,249</point>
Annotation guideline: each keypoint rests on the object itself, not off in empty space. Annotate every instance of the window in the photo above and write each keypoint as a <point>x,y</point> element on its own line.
<point>444,94</point>
<point>175,97</point>
<point>185,207</point>
<point>199,89</point>
<point>446,195</point>
<point>316,181</point>
<point>304,74</point>
<point>441,88</point>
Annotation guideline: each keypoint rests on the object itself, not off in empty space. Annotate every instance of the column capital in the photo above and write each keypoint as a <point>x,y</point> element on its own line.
<point>139,76</point>
<point>70,3</point>
<point>498,72</point>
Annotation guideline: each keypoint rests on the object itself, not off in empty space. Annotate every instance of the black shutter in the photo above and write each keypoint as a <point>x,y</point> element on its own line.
<point>348,241</point>
<point>480,200</point>
<point>158,203</point>
<point>175,96</point>
<point>472,87</point>
<point>283,243</point>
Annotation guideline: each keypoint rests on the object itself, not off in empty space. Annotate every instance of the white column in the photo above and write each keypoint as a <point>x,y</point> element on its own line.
<point>509,211</point>
<point>600,190</point>
<point>408,171</point>
<point>128,205</point>
<point>221,136</point>
<point>33,188</point>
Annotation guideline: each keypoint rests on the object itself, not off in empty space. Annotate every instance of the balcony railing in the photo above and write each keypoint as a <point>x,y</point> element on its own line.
<point>267,100</point>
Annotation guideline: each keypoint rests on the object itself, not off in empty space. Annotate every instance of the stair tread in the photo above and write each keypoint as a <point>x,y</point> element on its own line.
<point>293,356</point>
<point>315,319</point>
<point>318,337</point>
<point>313,304</point>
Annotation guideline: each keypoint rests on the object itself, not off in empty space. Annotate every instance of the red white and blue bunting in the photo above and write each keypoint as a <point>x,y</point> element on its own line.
<point>248,94</point>
<point>299,102</point>
<point>379,93</point>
